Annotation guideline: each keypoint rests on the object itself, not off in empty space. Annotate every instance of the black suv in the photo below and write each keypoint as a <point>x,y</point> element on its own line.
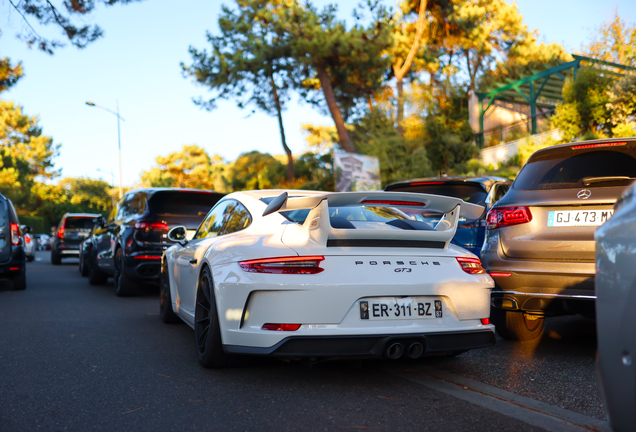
<point>129,245</point>
<point>71,231</point>
<point>12,255</point>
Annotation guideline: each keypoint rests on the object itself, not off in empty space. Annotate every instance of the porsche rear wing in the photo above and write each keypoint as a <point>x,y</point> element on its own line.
<point>318,228</point>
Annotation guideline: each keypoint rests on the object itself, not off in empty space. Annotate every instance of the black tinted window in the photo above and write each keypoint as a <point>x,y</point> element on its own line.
<point>182,203</point>
<point>472,193</point>
<point>565,171</point>
<point>79,222</point>
<point>4,215</point>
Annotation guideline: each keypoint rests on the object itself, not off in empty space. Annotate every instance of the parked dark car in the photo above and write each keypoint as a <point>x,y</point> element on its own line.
<point>128,246</point>
<point>12,253</point>
<point>71,231</point>
<point>616,300</point>
<point>539,245</point>
<point>476,190</point>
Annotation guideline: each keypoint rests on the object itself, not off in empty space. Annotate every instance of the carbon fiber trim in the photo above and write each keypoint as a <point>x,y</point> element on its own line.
<point>382,243</point>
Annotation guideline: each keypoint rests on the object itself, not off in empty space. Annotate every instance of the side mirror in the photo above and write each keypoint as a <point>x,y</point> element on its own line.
<point>178,235</point>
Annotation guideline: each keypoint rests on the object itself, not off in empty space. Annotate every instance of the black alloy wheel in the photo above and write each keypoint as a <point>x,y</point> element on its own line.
<point>56,259</point>
<point>83,264</point>
<point>165,299</point>
<point>124,287</point>
<point>207,331</point>
<point>95,275</point>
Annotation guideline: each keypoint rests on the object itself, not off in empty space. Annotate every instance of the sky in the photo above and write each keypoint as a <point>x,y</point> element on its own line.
<point>136,65</point>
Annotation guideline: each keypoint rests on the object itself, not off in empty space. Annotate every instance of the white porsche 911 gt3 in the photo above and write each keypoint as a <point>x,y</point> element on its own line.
<point>301,274</point>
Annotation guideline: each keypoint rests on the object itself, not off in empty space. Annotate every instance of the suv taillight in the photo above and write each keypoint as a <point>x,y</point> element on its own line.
<point>15,234</point>
<point>151,226</point>
<point>60,233</point>
<point>506,216</point>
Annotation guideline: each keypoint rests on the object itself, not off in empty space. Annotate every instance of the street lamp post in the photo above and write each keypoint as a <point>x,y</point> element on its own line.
<point>116,113</point>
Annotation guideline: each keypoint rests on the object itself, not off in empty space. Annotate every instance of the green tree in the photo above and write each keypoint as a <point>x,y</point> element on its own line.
<point>191,167</point>
<point>400,158</point>
<point>248,62</point>
<point>22,136</point>
<point>348,65</point>
<point>255,170</point>
<point>585,111</point>
<point>76,195</point>
<point>71,20</point>
<point>614,41</point>
<point>622,106</point>
<point>9,73</point>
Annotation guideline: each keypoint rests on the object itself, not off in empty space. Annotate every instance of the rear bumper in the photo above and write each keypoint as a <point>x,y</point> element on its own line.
<point>146,270</point>
<point>15,266</point>
<point>544,287</point>
<point>371,346</point>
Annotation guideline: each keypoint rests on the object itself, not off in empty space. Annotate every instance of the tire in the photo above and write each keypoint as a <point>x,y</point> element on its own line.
<point>95,276</point>
<point>124,286</point>
<point>165,300</point>
<point>84,265</point>
<point>207,331</point>
<point>19,282</point>
<point>56,259</point>
<point>515,325</point>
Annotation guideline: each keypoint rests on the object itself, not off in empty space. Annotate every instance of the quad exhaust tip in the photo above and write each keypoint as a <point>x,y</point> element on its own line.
<point>415,350</point>
<point>394,351</point>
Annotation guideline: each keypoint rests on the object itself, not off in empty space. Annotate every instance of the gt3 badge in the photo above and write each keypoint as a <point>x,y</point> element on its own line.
<point>364,310</point>
<point>438,308</point>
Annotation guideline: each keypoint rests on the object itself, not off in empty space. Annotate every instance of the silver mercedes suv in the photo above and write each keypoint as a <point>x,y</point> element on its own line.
<point>539,244</point>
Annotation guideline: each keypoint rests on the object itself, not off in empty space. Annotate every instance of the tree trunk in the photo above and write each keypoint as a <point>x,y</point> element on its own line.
<point>343,134</point>
<point>400,107</point>
<point>401,71</point>
<point>279,114</point>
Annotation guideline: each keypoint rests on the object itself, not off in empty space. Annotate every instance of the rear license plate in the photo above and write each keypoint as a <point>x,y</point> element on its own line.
<point>578,217</point>
<point>390,308</point>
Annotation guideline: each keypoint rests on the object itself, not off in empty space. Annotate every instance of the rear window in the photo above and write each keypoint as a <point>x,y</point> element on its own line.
<point>3,214</point>
<point>472,193</point>
<point>183,203</point>
<point>79,223</point>
<point>570,169</point>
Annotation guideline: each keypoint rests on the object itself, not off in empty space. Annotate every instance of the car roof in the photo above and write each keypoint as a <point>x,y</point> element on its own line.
<point>152,190</point>
<point>486,181</point>
<point>558,147</point>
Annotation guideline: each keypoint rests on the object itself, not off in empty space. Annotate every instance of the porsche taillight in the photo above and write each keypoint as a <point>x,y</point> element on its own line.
<point>284,265</point>
<point>15,234</point>
<point>506,216</point>
<point>471,265</point>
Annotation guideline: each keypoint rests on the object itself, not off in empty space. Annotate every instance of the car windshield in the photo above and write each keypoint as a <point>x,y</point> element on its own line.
<point>79,222</point>
<point>472,193</point>
<point>182,203</point>
<point>565,170</point>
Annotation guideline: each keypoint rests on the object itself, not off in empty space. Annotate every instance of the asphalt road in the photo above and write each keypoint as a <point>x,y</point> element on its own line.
<point>76,357</point>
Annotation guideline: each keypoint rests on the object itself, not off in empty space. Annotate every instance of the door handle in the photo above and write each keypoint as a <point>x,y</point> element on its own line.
<point>193,261</point>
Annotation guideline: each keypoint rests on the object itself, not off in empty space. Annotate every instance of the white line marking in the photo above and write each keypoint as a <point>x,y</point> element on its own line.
<point>527,410</point>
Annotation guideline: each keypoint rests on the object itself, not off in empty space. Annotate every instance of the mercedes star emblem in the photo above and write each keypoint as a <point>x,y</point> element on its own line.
<point>584,194</point>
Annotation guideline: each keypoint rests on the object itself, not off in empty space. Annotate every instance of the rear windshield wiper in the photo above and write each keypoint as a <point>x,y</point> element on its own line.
<point>591,180</point>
